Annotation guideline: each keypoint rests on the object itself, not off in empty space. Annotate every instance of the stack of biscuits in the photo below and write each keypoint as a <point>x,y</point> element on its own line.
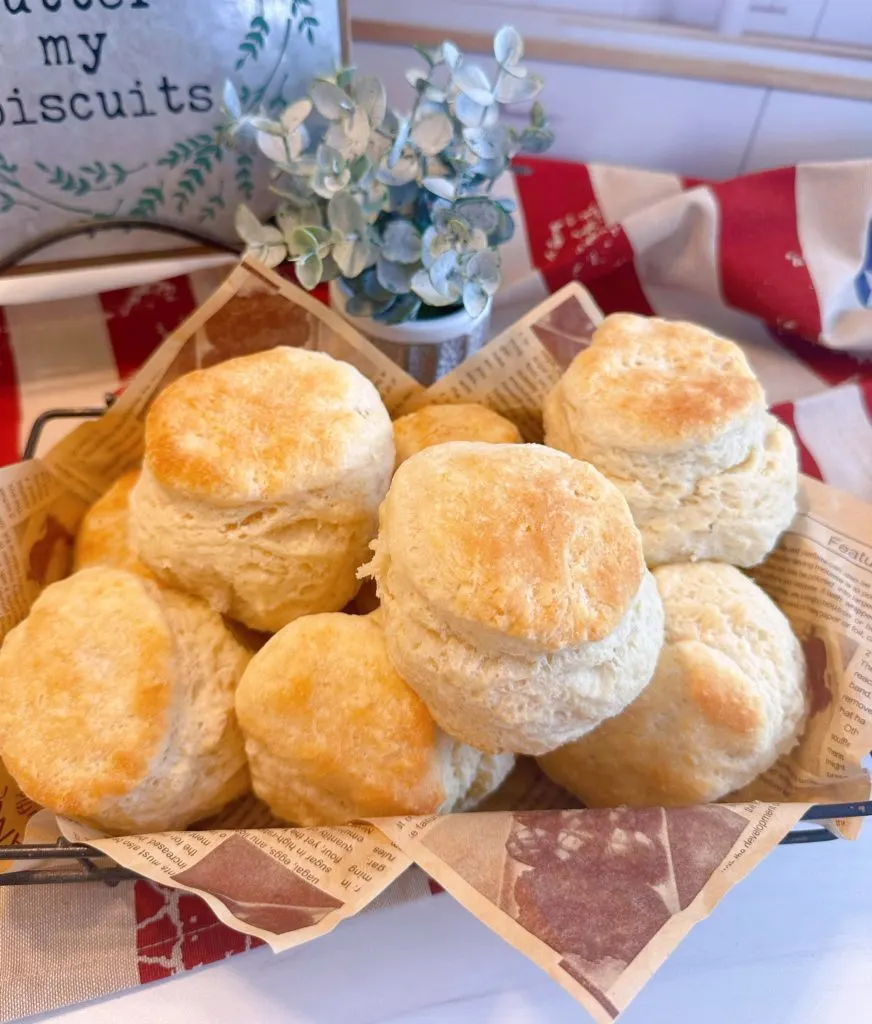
<point>578,601</point>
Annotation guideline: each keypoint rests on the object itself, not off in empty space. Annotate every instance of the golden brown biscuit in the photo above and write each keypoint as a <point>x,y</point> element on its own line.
<point>674,416</point>
<point>104,534</point>
<point>261,484</point>
<point>438,424</point>
<point>514,593</point>
<point>727,700</point>
<point>332,732</point>
<point>116,704</point>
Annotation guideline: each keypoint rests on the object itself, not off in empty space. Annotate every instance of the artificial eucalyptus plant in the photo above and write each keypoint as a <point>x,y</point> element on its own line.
<point>399,206</point>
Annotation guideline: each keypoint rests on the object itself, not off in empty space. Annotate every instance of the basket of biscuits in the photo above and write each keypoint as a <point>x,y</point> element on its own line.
<point>568,629</point>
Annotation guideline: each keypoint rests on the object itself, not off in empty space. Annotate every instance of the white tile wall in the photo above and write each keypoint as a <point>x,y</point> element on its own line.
<point>846,21</point>
<point>796,18</point>
<point>796,127</point>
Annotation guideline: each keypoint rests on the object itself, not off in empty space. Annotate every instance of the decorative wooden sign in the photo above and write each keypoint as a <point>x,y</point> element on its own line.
<point>110,108</point>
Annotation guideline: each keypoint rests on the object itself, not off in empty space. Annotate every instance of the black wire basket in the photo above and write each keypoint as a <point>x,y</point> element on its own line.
<point>78,862</point>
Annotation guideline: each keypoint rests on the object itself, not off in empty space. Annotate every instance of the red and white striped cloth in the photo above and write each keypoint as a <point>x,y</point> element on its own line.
<point>778,261</point>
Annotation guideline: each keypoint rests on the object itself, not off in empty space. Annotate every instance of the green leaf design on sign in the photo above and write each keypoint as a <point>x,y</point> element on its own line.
<point>149,201</point>
<point>88,178</point>
<point>214,203</point>
<point>243,178</point>
<point>308,25</point>
<point>251,47</point>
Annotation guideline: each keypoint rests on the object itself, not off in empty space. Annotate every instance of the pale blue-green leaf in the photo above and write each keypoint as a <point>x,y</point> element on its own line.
<point>290,217</point>
<point>309,271</point>
<point>442,213</point>
<point>488,143</point>
<point>480,213</point>
<point>372,289</point>
<point>518,90</point>
<point>296,191</point>
<point>265,124</point>
<point>484,269</point>
<point>377,148</point>
<point>392,122</point>
<point>509,205</point>
<point>400,310</point>
<point>359,168</point>
<point>295,114</point>
<point>508,46</point>
<point>374,199</point>
<point>302,242</point>
<point>344,76</point>
<point>329,158</point>
<point>490,168</point>
<point>401,242</point>
<point>297,141</point>
<point>403,172</point>
<point>504,230</point>
<point>468,112</point>
<point>357,128</point>
<point>355,284</point>
<point>450,54</point>
<point>360,305</point>
<point>396,277</point>
<point>433,244</point>
<point>444,272</point>
<point>301,169</point>
<point>471,80</point>
<point>345,215</point>
<point>442,187</point>
<point>402,137</point>
<point>537,116</point>
<point>250,229</point>
<point>371,97</point>
<point>272,146</point>
<point>329,269</point>
<point>474,299</point>
<point>354,256</point>
<point>323,237</point>
<point>433,133</point>
<point>336,139</point>
<point>271,255</point>
<point>327,184</point>
<point>477,241</point>
<point>232,104</point>
<point>422,286</point>
<point>536,140</point>
<point>330,101</point>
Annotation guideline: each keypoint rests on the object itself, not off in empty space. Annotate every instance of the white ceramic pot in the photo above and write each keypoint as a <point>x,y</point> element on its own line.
<point>427,349</point>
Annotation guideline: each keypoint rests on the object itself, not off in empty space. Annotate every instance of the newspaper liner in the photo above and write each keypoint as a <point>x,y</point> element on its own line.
<point>530,868</point>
